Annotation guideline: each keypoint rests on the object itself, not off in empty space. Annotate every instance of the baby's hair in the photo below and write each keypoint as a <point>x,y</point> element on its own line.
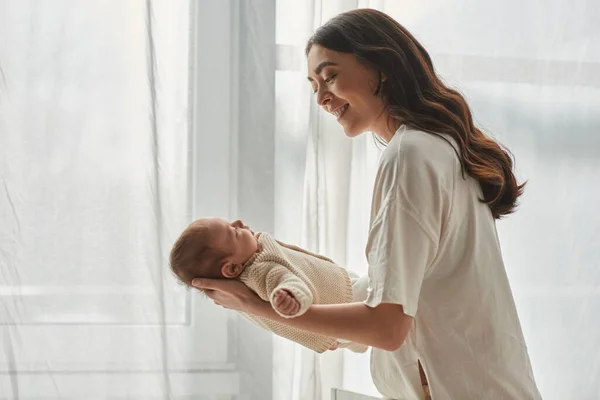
<point>194,256</point>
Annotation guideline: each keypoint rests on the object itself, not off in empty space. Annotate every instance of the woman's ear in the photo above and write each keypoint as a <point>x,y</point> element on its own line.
<point>230,270</point>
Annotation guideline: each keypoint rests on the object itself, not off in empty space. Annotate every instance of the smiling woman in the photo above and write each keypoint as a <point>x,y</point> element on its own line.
<point>390,80</point>
<point>344,87</point>
<point>439,311</point>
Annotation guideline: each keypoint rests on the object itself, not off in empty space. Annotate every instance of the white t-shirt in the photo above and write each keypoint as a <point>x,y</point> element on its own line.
<point>433,248</point>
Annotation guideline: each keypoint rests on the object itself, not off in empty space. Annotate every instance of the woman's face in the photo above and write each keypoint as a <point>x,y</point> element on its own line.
<point>346,88</point>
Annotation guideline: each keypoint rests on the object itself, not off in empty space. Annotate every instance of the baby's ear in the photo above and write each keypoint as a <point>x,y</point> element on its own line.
<point>230,270</point>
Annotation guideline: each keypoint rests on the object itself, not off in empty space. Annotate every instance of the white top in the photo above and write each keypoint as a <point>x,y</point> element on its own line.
<point>433,248</point>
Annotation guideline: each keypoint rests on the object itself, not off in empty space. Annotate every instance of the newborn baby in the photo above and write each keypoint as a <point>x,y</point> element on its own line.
<point>288,277</point>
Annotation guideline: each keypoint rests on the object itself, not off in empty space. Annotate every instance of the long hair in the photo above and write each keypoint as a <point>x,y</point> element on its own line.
<point>416,96</point>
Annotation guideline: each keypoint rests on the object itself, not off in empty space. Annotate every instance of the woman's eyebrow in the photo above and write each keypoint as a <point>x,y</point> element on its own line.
<point>321,66</point>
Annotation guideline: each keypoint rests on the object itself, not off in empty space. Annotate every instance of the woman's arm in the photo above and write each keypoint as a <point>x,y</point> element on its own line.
<point>384,327</point>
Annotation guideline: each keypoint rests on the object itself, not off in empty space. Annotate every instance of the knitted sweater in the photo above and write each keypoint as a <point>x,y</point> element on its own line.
<point>311,278</point>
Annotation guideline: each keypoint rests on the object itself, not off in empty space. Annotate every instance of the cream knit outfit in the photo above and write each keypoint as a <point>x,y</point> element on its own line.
<point>310,278</point>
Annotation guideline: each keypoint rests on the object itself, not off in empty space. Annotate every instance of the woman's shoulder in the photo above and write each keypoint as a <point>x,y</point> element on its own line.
<point>417,145</point>
<point>417,173</point>
<point>412,150</point>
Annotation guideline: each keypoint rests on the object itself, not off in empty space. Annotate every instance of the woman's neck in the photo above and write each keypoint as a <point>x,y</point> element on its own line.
<point>386,128</point>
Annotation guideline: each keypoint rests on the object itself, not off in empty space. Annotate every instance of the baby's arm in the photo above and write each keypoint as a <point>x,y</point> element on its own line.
<point>289,296</point>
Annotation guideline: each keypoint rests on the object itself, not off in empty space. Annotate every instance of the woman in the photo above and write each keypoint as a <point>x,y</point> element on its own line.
<point>439,306</point>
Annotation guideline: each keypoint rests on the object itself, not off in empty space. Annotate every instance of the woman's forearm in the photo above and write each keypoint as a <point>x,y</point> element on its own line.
<point>384,326</point>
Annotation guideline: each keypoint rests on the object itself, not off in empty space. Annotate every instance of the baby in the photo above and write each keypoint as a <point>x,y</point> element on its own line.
<point>296,278</point>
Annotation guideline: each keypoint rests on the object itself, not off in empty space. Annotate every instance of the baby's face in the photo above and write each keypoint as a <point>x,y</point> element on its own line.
<point>235,239</point>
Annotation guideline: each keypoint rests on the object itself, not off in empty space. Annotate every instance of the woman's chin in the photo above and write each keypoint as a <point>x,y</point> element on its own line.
<point>352,131</point>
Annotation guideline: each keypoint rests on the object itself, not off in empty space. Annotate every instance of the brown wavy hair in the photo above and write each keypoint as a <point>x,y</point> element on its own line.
<point>416,96</point>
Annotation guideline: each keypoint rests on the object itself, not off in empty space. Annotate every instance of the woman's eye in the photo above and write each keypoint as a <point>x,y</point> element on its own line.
<point>330,79</point>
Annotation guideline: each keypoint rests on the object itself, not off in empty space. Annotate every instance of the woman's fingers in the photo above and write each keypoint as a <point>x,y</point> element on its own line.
<point>217,299</point>
<point>229,293</point>
<point>215,296</point>
<point>205,283</point>
<point>211,294</point>
<point>210,284</point>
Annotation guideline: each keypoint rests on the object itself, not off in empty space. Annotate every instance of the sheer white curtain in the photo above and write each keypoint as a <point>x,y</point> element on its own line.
<point>95,186</point>
<point>530,72</point>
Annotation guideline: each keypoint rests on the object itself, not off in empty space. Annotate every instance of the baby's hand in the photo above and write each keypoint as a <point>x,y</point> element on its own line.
<point>285,302</point>
<point>335,345</point>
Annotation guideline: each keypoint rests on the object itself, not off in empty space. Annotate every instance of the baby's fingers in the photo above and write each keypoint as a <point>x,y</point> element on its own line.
<point>288,303</point>
<point>279,298</point>
<point>295,307</point>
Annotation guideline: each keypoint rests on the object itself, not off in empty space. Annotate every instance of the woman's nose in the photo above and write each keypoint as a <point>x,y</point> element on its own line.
<point>323,97</point>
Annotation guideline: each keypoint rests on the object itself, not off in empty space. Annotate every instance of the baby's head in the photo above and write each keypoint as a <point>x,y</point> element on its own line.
<point>212,248</point>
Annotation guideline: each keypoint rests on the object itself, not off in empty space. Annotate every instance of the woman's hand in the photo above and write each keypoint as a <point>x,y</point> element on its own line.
<point>230,293</point>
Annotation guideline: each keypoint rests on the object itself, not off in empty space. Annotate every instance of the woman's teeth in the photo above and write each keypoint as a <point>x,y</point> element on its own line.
<point>338,113</point>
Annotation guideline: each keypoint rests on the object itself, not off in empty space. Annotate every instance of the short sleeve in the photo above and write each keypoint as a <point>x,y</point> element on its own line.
<point>399,251</point>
